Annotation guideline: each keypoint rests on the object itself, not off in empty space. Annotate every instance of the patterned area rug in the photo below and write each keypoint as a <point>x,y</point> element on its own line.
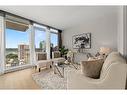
<point>46,79</point>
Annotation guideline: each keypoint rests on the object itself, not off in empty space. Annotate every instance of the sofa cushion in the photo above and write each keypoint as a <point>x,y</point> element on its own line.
<point>92,68</point>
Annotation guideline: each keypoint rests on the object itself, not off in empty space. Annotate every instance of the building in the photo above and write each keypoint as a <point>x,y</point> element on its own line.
<point>23,53</point>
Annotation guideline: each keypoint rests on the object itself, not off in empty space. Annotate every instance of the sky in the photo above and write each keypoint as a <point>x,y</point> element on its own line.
<point>14,37</point>
<point>41,36</point>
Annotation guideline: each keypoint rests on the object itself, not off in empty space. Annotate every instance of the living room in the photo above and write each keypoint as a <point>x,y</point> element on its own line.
<point>44,36</point>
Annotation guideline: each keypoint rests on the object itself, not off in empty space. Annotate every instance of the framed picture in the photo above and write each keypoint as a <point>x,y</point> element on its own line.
<point>82,41</point>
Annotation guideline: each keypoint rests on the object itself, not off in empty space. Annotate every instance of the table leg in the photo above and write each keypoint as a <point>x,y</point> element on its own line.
<point>54,69</point>
<point>74,66</point>
<point>59,72</point>
<point>63,72</point>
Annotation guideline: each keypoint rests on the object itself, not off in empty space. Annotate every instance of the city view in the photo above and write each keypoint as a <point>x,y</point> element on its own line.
<point>17,46</point>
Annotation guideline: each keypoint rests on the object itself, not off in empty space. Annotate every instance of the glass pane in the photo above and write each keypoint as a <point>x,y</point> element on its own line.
<point>54,41</point>
<point>17,48</point>
<point>40,40</point>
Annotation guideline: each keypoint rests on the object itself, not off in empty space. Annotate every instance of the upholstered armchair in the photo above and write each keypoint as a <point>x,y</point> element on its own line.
<point>56,54</point>
<point>41,56</point>
<point>41,60</point>
<point>112,75</point>
<point>56,57</point>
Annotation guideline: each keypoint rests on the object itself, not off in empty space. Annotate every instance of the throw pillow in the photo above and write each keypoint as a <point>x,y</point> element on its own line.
<point>92,68</point>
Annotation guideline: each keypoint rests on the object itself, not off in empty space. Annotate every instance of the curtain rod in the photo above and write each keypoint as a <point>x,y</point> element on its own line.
<point>32,21</point>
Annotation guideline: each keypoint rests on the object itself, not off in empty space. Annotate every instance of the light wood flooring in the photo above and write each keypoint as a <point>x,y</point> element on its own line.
<point>18,80</point>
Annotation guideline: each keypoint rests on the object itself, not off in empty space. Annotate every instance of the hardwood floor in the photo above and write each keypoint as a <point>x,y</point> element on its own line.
<point>18,80</point>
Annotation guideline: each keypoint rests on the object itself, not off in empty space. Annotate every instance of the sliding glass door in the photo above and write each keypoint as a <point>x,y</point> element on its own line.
<point>17,44</point>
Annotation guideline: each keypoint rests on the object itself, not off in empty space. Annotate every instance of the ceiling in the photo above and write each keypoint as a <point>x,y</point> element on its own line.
<point>61,17</point>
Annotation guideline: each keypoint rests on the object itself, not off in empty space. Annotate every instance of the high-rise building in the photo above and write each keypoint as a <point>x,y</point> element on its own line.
<point>42,45</point>
<point>23,53</point>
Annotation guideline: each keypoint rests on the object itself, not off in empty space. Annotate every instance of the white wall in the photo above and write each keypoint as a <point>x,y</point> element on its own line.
<point>120,30</point>
<point>103,33</point>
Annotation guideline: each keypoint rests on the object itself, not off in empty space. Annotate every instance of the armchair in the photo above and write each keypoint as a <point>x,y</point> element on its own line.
<point>56,57</point>
<point>41,60</point>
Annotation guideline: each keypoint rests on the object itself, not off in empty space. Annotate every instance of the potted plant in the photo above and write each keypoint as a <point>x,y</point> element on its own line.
<point>63,51</point>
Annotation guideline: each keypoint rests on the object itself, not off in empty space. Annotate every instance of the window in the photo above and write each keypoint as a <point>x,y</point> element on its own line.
<point>40,40</point>
<point>17,44</point>
<point>54,40</point>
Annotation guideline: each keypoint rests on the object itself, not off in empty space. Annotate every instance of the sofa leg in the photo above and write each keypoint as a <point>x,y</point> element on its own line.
<point>39,69</point>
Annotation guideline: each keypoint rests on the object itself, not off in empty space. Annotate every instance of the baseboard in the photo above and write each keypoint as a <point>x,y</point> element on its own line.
<point>18,68</point>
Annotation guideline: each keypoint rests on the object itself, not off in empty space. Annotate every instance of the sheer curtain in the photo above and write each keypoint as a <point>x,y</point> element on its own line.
<point>48,42</point>
<point>2,45</point>
<point>32,44</point>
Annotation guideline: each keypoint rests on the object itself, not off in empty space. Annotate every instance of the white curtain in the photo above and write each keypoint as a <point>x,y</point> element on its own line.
<point>31,44</point>
<point>48,43</point>
<point>2,45</point>
<point>122,31</point>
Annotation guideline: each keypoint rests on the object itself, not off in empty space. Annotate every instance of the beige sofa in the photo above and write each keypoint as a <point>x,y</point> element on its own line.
<point>113,75</point>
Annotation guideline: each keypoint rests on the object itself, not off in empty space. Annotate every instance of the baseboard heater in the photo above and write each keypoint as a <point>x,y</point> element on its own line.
<point>17,68</point>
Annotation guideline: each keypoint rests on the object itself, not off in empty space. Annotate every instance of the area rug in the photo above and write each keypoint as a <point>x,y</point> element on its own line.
<point>46,79</point>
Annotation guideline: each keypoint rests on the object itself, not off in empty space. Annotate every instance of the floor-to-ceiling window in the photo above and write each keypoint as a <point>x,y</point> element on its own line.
<point>53,41</point>
<point>17,44</point>
<point>41,37</point>
<point>40,40</point>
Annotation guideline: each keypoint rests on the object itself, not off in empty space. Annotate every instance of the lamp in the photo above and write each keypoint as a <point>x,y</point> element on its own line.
<point>105,50</point>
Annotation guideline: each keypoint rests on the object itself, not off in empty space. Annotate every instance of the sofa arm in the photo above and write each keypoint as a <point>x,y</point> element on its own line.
<point>114,77</point>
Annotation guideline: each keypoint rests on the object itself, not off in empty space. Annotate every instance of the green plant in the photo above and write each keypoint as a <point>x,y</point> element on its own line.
<point>63,51</point>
